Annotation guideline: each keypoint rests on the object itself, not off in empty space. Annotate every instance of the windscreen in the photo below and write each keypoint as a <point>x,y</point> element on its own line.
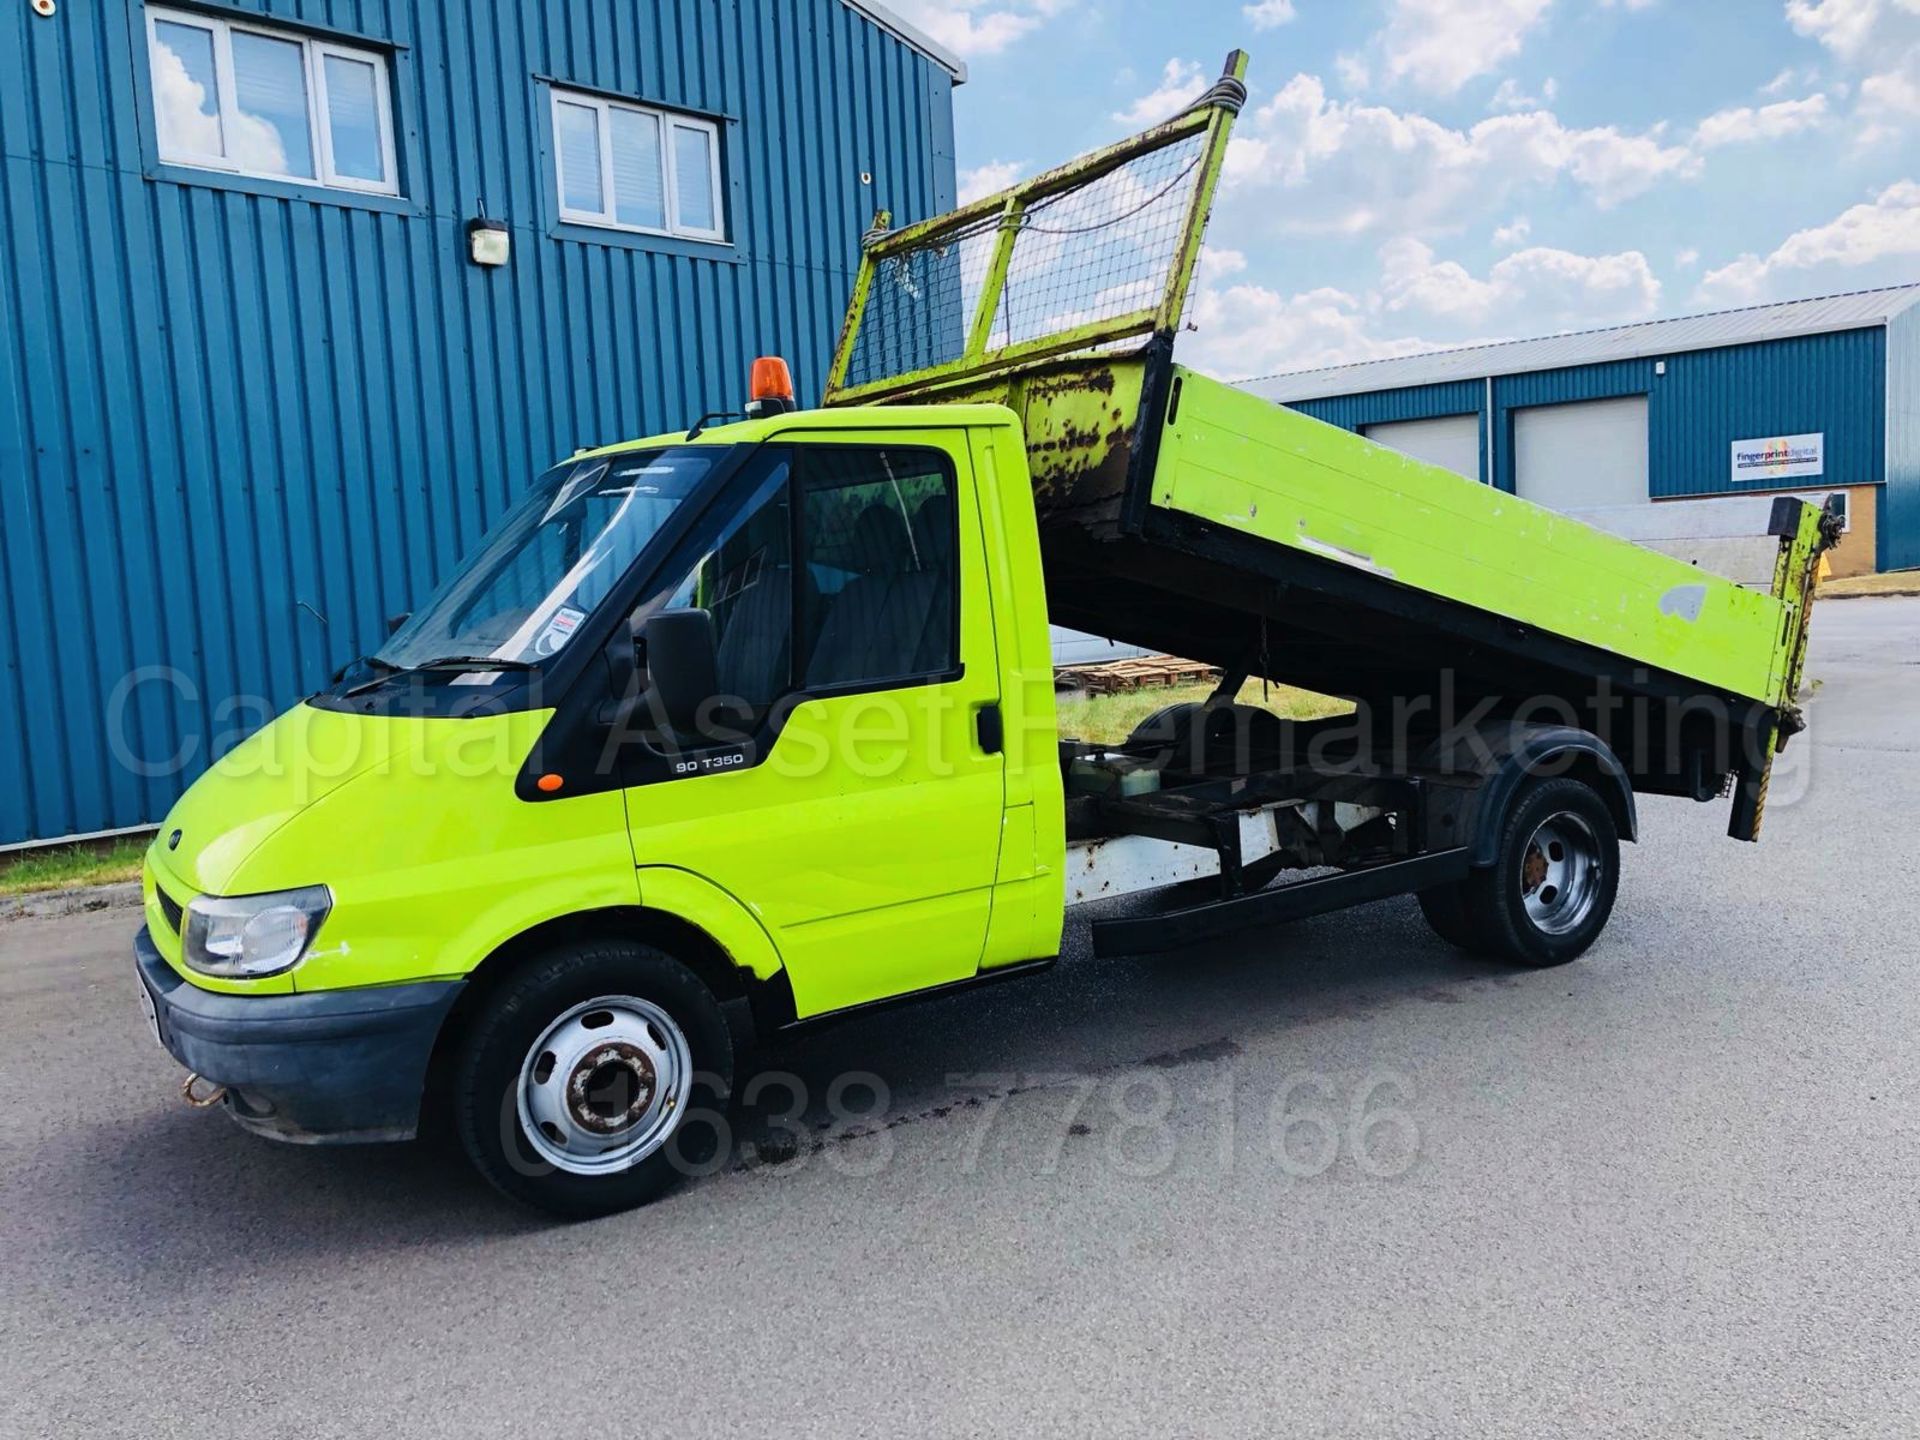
<point>553,557</point>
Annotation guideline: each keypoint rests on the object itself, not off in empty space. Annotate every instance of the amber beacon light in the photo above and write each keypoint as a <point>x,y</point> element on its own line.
<point>770,391</point>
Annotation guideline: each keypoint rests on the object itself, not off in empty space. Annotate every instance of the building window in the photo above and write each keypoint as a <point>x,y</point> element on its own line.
<point>252,100</point>
<point>634,168</point>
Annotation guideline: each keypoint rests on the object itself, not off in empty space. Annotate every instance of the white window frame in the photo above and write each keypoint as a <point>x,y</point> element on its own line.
<point>667,120</point>
<point>313,52</point>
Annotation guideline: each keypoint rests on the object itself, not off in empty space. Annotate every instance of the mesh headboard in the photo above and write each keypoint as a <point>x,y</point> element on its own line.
<point>1095,255</point>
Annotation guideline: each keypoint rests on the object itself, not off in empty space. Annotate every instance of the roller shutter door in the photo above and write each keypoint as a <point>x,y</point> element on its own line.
<point>1451,441</point>
<point>1584,456</point>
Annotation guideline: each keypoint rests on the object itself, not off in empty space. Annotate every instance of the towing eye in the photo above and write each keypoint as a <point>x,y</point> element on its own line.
<point>197,1099</point>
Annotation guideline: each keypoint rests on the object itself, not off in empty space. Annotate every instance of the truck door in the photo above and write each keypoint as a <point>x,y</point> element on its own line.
<point>850,600</point>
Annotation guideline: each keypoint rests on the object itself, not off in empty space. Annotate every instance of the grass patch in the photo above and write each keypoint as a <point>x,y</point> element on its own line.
<point>1110,719</point>
<point>1888,582</point>
<point>61,867</point>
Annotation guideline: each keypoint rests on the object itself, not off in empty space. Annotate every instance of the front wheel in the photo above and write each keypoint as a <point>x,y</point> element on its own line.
<point>577,1080</point>
<point>1548,894</point>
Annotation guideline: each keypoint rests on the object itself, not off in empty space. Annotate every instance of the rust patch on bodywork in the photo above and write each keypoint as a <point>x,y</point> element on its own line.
<point>1082,425</point>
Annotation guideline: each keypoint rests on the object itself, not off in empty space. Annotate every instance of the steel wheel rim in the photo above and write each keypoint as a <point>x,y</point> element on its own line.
<point>1560,873</point>
<point>604,1085</point>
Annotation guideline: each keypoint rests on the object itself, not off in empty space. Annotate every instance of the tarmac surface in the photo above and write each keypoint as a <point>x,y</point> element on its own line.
<point>1333,1179</point>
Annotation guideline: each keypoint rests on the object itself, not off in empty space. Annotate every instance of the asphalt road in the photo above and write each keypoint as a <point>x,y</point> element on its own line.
<point>1668,1190</point>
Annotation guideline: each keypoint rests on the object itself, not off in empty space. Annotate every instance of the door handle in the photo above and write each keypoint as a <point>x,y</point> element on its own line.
<point>990,729</point>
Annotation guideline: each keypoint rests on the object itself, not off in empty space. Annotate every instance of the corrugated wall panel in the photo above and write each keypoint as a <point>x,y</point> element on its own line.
<point>243,422</point>
<point>1899,527</point>
<point>1420,402</point>
<point>1836,384</point>
<point>1379,407</point>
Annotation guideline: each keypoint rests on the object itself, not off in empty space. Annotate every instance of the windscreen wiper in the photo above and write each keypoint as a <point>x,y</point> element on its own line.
<point>373,661</point>
<point>440,662</point>
<point>381,670</point>
<point>472,662</point>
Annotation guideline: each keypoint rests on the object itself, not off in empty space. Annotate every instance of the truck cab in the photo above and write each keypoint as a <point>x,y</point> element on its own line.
<point>772,706</point>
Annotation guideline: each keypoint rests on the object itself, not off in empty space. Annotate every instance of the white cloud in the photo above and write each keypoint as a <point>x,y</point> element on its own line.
<point>1439,45</point>
<point>1217,261</point>
<point>1419,302</point>
<point>1359,167</point>
<point>1687,258</point>
<point>1511,97</point>
<point>1514,232</point>
<point>1531,291</point>
<point>1789,79</point>
<point>1180,84</point>
<point>1744,123</point>
<point>972,28</point>
<point>1855,30</point>
<point>1882,37</point>
<point>1268,14</point>
<point>1353,71</point>
<point>1889,104</point>
<point>984,180</point>
<point>1884,229</point>
<point>1739,282</point>
<point>1247,330</point>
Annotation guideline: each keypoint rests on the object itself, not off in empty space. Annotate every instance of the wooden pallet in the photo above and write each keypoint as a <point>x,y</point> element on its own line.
<point>1139,672</point>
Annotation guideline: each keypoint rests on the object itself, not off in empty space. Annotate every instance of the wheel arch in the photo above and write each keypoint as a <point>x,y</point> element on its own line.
<point>1550,751</point>
<point>734,958</point>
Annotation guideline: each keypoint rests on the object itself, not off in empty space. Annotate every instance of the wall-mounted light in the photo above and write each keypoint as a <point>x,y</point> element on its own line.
<point>44,8</point>
<point>489,242</point>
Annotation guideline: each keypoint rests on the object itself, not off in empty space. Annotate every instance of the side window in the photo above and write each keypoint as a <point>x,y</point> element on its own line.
<point>745,581</point>
<point>635,167</point>
<point>879,578</point>
<point>256,100</point>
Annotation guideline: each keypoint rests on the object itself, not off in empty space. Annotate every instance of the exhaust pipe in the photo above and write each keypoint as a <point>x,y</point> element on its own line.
<point>199,1099</point>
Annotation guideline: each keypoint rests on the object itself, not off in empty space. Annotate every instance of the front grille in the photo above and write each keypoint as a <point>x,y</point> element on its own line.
<point>169,907</point>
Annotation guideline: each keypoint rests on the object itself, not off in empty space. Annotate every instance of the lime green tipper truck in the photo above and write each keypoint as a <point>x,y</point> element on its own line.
<point>725,731</point>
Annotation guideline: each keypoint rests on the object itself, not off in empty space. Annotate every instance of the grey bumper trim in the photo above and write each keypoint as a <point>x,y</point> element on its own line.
<point>330,1066</point>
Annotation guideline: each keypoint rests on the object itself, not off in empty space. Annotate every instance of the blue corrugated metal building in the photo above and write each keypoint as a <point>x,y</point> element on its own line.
<point>262,377</point>
<point>1805,397</point>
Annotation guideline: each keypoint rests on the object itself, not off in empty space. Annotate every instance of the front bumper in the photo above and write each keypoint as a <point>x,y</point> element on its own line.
<point>328,1067</point>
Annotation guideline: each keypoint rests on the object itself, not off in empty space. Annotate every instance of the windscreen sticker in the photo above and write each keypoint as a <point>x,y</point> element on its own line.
<point>559,630</point>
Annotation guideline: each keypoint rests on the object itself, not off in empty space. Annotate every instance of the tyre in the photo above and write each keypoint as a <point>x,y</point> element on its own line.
<point>1549,892</point>
<point>1206,739</point>
<point>1447,912</point>
<point>575,1084</point>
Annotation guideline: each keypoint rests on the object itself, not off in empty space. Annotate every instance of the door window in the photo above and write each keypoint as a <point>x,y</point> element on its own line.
<point>856,590</point>
<point>879,578</point>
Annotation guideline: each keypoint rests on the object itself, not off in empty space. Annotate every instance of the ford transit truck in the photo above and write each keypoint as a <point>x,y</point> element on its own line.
<point>730,730</point>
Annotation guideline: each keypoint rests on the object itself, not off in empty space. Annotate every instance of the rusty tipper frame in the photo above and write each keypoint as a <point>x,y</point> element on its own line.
<point>1211,117</point>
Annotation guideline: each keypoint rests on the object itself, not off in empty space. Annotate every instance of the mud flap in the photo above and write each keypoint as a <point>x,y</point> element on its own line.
<point>1754,776</point>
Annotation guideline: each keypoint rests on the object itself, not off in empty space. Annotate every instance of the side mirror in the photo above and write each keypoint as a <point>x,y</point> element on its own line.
<point>682,664</point>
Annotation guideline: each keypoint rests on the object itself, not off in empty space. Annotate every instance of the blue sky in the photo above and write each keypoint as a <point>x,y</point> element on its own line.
<point>1419,173</point>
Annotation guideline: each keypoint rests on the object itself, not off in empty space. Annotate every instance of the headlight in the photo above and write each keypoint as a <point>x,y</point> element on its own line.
<point>248,936</point>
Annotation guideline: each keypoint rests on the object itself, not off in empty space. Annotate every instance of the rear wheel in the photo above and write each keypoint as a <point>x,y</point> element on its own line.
<point>1447,912</point>
<point>1548,894</point>
<point>576,1080</point>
